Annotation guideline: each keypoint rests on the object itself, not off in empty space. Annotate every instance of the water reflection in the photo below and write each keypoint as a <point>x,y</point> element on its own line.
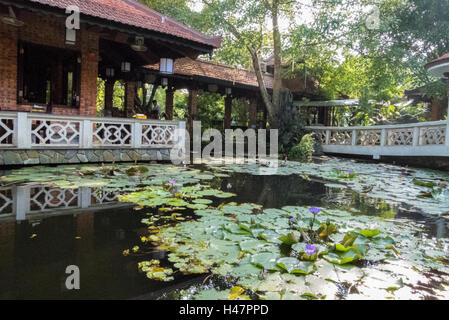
<point>21,202</point>
<point>279,191</point>
<point>45,229</point>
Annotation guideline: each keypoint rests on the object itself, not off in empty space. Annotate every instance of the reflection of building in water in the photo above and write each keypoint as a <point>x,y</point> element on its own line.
<point>7,246</point>
<point>20,202</point>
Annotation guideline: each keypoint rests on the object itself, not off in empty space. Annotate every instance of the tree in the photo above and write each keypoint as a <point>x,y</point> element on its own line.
<point>245,20</point>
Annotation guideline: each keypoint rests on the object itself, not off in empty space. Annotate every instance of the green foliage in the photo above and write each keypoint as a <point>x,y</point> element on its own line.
<point>304,150</point>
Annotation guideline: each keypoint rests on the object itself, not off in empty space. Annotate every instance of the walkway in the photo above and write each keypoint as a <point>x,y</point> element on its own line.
<point>428,139</point>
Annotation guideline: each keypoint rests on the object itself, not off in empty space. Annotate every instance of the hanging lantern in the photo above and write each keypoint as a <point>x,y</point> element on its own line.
<point>126,66</point>
<point>164,82</point>
<point>70,36</point>
<point>110,72</point>
<point>166,66</point>
<point>228,91</point>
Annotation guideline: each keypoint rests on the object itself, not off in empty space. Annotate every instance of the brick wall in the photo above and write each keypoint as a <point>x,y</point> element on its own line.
<point>49,31</point>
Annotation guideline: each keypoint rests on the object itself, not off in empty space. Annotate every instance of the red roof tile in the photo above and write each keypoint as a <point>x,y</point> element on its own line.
<point>200,68</point>
<point>134,14</point>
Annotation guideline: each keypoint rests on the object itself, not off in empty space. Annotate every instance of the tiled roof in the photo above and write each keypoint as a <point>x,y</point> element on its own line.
<point>200,68</point>
<point>134,14</point>
<point>440,60</point>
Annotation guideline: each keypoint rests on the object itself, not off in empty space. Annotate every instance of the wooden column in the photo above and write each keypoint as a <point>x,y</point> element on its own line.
<point>130,93</point>
<point>228,112</point>
<point>193,108</point>
<point>435,110</point>
<point>108,97</point>
<point>253,113</point>
<point>169,102</point>
<point>265,117</point>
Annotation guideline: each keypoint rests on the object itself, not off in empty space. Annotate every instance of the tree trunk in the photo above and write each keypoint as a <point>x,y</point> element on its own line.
<point>277,85</point>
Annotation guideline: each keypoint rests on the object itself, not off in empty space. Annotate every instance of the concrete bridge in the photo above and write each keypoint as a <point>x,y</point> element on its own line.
<point>33,138</point>
<point>424,139</point>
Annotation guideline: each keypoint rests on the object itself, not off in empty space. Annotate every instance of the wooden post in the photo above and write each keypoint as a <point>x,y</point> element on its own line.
<point>169,102</point>
<point>130,94</point>
<point>253,113</point>
<point>108,97</point>
<point>193,109</point>
<point>228,113</point>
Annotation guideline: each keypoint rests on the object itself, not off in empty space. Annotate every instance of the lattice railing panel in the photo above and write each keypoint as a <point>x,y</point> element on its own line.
<point>341,138</point>
<point>106,134</point>
<point>400,137</point>
<point>369,138</point>
<point>432,135</point>
<point>158,134</point>
<point>6,201</point>
<point>321,136</point>
<point>44,198</point>
<point>55,133</point>
<point>6,132</point>
<point>102,195</point>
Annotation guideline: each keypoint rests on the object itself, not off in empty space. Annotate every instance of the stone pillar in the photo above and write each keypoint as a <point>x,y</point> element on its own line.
<point>108,97</point>
<point>130,94</point>
<point>169,102</point>
<point>253,113</point>
<point>193,108</point>
<point>228,112</point>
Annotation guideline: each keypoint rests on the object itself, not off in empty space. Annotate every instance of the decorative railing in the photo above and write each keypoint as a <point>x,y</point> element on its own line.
<point>20,201</point>
<point>417,139</point>
<point>22,130</point>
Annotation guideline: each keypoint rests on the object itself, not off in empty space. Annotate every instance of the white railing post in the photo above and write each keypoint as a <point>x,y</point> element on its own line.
<point>447,130</point>
<point>328,137</point>
<point>416,139</point>
<point>21,202</point>
<point>383,138</point>
<point>22,130</point>
<point>84,197</point>
<point>136,133</point>
<point>86,134</point>
<point>354,137</point>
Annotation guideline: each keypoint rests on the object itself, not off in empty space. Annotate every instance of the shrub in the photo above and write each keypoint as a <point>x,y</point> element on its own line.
<point>304,150</point>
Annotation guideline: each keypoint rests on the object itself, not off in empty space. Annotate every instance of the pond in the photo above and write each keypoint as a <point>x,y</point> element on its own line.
<point>333,229</point>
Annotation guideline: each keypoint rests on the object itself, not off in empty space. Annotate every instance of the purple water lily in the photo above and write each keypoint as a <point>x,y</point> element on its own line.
<point>351,171</point>
<point>310,250</point>
<point>293,220</point>
<point>314,210</point>
<point>172,182</point>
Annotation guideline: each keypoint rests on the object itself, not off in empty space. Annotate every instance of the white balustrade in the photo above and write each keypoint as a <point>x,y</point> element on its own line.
<point>19,130</point>
<point>417,139</point>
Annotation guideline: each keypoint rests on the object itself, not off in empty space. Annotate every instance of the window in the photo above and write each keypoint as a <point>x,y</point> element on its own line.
<point>48,76</point>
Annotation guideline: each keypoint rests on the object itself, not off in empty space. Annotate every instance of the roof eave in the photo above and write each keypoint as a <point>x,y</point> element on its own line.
<point>199,46</point>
